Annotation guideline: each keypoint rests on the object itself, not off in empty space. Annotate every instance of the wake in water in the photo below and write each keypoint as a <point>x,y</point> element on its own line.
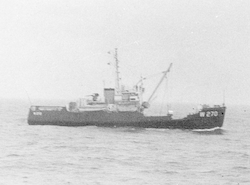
<point>131,129</point>
<point>213,131</point>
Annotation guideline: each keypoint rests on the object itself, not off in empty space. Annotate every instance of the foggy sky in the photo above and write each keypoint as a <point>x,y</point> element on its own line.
<point>59,49</point>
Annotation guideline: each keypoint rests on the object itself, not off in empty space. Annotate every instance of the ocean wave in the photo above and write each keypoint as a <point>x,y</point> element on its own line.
<point>241,168</point>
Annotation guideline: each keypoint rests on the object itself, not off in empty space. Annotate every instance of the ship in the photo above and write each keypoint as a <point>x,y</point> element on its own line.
<point>123,108</point>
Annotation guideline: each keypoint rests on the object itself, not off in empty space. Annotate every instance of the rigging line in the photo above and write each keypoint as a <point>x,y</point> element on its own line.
<point>137,42</point>
<point>28,97</point>
<point>224,97</point>
<point>148,77</point>
<point>153,75</point>
<point>164,95</point>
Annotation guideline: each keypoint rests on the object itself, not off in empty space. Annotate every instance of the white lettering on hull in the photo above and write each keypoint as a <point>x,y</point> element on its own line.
<point>37,113</point>
<point>209,114</point>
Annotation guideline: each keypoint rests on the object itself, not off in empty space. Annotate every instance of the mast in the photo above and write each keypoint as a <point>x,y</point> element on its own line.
<point>117,78</point>
<point>164,75</point>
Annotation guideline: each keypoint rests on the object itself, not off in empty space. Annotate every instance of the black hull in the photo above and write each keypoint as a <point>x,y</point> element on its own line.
<point>207,118</point>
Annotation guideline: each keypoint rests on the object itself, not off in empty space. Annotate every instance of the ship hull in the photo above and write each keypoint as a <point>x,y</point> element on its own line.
<point>205,119</point>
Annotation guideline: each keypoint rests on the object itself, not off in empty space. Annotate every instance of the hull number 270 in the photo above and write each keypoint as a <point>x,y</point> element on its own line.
<point>209,114</point>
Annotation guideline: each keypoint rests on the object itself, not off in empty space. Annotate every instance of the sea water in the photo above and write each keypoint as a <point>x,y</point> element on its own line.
<point>95,155</point>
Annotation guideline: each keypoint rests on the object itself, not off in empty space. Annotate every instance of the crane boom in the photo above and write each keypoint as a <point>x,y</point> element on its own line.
<point>164,75</point>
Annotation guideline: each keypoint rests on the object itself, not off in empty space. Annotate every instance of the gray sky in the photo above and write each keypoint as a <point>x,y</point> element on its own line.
<point>58,48</point>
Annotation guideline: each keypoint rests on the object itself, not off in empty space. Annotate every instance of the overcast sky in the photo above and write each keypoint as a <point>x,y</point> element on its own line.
<point>59,48</point>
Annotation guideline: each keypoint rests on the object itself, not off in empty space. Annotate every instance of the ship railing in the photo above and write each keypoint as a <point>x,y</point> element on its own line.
<point>46,108</point>
<point>214,106</point>
<point>218,106</point>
